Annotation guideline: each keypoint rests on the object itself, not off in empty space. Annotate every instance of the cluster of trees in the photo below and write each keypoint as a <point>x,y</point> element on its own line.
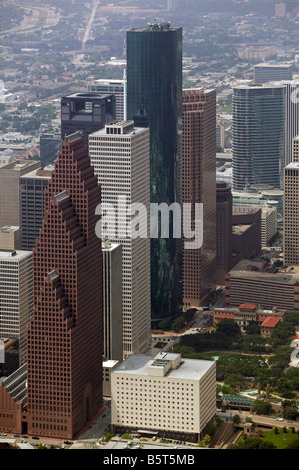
<point>176,324</point>
<point>236,369</point>
<point>41,115</point>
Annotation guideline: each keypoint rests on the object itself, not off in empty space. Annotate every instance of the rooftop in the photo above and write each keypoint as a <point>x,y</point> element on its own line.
<point>190,369</point>
<point>270,322</point>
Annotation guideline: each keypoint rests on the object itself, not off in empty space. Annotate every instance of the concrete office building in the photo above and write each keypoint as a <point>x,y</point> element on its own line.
<point>291,214</point>
<point>112,301</point>
<point>86,112</point>
<point>120,157</point>
<point>199,186</point>
<point>9,190</point>
<point>110,86</point>
<point>16,296</point>
<point>248,282</point>
<point>9,238</point>
<point>173,396</point>
<point>154,100</point>
<point>246,235</point>
<point>258,135</point>
<point>268,220</point>
<point>295,153</point>
<point>264,73</point>
<point>31,196</point>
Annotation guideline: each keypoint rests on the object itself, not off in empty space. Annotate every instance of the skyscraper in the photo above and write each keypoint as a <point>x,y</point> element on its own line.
<point>65,343</point>
<point>49,148</point>
<point>154,99</point>
<point>258,136</point>
<point>224,231</point>
<point>9,190</point>
<point>199,186</point>
<point>106,86</point>
<point>269,72</point>
<point>16,302</point>
<point>32,188</point>
<point>291,115</point>
<point>112,301</point>
<point>120,156</point>
<point>86,112</point>
<point>291,209</point>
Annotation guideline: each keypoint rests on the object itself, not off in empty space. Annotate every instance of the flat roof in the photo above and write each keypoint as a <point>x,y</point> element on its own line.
<point>138,364</point>
<point>13,255</point>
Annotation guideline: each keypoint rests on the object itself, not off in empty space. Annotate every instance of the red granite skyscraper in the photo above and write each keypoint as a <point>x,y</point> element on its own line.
<point>65,343</point>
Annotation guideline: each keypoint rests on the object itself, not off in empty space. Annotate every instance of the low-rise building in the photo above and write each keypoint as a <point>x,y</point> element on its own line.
<point>268,326</point>
<point>167,394</point>
<point>246,313</point>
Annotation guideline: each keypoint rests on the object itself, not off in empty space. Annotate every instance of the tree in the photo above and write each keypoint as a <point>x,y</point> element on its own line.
<point>275,431</point>
<point>253,328</point>
<point>108,436</point>
<point>236,419</point>
<point>205,441</point>
<point>228,327</point>
<point>262,407</point>
<point>178,324</point>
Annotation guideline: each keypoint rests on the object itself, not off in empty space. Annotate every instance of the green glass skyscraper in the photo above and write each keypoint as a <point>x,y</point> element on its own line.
<point>154,99</point>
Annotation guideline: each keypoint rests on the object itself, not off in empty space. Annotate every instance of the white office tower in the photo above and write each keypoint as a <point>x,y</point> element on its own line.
<point>291,208</point>
<point>106,86</point>
<point>291,115</point>
<point>120,156</point>
<point>166,394</point>
<point>16,296</point>
<point>112,300</point>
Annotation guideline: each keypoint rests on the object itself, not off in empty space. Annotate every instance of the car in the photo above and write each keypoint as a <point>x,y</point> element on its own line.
<point>279,419</point>
<point>68,442</point>
<point>24,437</point>
<point>3,434</point>
<point>35,437</point>
<point>16,435</point>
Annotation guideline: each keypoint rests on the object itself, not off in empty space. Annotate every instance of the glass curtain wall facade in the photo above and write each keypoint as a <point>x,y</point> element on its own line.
<point>258,143</point>
<point>154,99</point>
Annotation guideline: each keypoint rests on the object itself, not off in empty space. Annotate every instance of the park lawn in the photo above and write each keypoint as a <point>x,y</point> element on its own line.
<point>281,440</point>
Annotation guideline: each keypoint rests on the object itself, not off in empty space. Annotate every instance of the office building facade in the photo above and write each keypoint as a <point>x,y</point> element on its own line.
<point>86,112</point>
<point>9,190</point>
<point>49,147</point>
<point>173,396</point>
<point>32,190</point>
<point>16,296</point>
<point>154,100</point>
<point>199,186</point>
<point>107,87</point>
<point>112,301</point>
<point>291,115</point>
<point>258,136</point>
<point>264,72</point>
<point>120,157</point>
<point>224,231</point>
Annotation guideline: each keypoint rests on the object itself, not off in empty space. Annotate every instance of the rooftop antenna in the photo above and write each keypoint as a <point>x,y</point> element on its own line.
<point>125,80</point>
